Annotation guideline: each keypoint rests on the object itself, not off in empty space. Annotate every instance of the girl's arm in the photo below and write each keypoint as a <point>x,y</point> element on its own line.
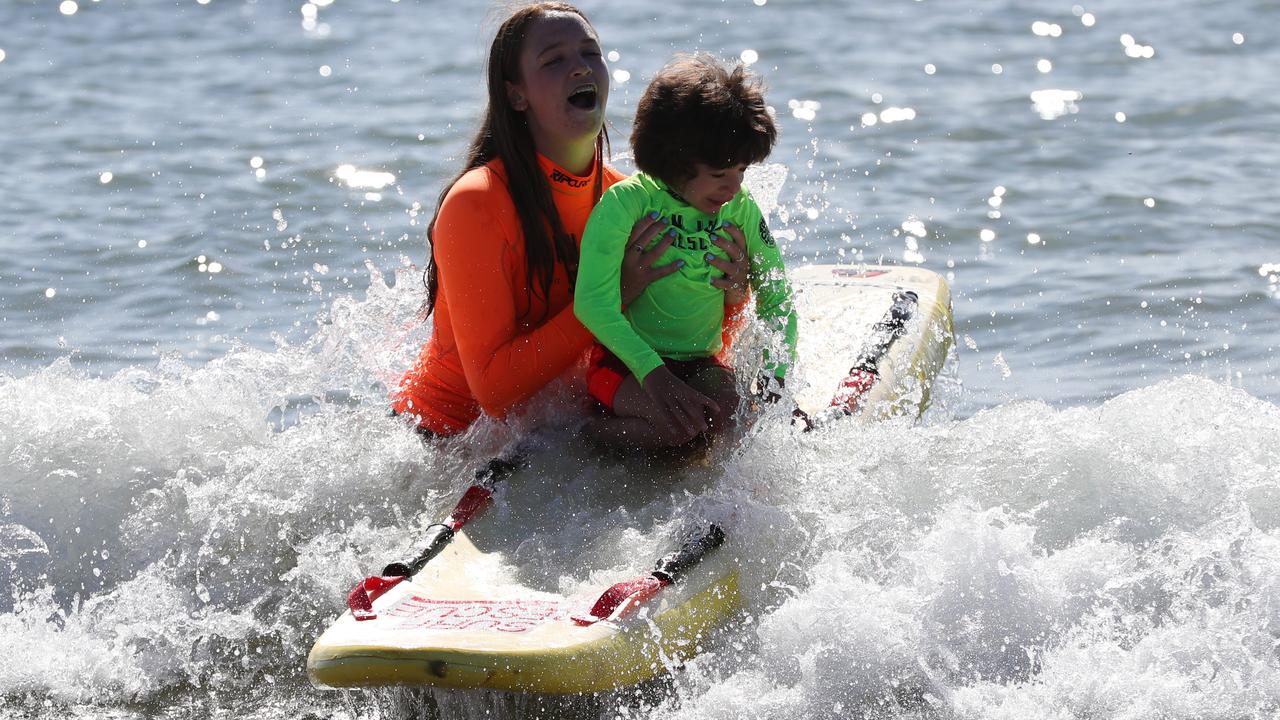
<point>504,364</point>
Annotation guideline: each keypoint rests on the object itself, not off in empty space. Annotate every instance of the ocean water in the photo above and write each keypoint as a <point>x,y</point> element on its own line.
<point>212,219</point>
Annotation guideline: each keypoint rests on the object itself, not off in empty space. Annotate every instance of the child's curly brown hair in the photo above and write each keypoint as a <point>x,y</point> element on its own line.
<point>697,111</point>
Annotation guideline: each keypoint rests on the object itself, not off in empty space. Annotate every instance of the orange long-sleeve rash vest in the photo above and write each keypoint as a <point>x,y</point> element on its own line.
<point>495,342</point>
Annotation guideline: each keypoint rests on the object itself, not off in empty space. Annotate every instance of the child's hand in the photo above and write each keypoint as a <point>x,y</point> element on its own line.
<point>769,387</point>
<point>734,282</point>
<point>638,261</point>
<point>685,407</point>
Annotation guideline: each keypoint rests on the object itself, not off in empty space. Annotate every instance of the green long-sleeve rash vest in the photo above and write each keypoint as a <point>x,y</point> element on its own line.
<point>679,316</point>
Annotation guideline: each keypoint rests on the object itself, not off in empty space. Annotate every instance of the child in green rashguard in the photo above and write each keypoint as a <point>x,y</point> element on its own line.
<point>698,127</point>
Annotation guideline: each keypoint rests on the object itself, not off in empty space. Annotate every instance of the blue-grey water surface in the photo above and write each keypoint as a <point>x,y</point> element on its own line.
<point>212,219</point>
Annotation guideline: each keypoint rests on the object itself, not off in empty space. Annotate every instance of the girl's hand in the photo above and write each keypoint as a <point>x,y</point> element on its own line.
<point>638,261</point>
<point>685,407</point>
<point>734,282</point>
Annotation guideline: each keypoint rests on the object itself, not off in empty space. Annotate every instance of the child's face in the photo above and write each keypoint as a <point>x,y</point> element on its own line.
<point>710,188</point>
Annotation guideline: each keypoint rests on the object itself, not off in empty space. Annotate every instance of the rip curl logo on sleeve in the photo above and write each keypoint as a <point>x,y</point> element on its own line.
<point>765,235</point>
<point>563,179</point>
<point>503,616</point>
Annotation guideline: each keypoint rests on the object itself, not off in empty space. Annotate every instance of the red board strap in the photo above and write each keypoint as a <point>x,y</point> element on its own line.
<point>622,599</point>
<point>472,502</point>
<point>852,390</point>
<point>360,599</point>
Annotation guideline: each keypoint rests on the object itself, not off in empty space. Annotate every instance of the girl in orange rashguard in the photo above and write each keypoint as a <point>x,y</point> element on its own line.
<point>504,240</point>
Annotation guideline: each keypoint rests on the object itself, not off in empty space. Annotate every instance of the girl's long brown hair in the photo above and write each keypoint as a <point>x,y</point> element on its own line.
<point>504,134</point>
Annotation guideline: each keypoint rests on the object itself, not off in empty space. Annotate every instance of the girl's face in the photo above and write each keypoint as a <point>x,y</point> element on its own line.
<point>710,188</point>
<point>564,83</point>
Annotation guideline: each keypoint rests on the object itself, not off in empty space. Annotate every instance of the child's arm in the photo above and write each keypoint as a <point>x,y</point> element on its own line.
<point>774,303</point>
<point>597,297</point>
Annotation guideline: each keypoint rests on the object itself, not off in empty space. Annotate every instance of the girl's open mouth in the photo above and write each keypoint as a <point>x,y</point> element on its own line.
<point>584,98</point>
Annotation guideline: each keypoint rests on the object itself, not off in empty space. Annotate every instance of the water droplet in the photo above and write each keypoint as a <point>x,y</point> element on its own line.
<point>255,162</point>
<point>105,177</point>
<point>69,7</point>
<point>621,76</point>
<point>997,68</point>
<point>614,56</point>
<point>749,56</point>
<point>1121,117</point>
<point>987,235</point>
<point>1237,38</point>
<point>50,292</point>
<point>930,69</point>
<point>1044,66</point>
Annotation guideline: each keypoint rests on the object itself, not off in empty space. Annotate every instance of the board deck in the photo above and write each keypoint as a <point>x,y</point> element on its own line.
<point>463,623</point>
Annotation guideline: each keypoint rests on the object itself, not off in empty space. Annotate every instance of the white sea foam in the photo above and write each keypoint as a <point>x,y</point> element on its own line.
<point>1025,562</point>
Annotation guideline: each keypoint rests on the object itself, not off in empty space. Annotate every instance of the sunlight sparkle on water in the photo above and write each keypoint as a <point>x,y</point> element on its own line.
<point>748,56</point>
<point>1271,271</point>
<point>897,114</point>
<point>50,292</point>
<point>105,177</point>
<point>621,76</point>
<point>1237,38</point>
<point>804,109</point>
<point>614,56</point>
<point>2,53</point>
<point>997,68</point>
<point>1033,239</point>
<point>1044,65</point>
<point>364,179</point>
<point>1088,20</point>
<point>1121,117</point>
<point>930,69</point>
<point>325,71</point>
<point>1053,103</point>
<point>1135,49</point>
<point>1045,29</point>
<point>915,231</point>
<point>255,162</point>
<point>1149,202</point>
<point>987,235</point>
<point>68,7</point>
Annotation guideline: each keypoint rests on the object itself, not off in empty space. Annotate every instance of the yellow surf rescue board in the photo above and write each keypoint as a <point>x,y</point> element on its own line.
<point>456,624</point>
